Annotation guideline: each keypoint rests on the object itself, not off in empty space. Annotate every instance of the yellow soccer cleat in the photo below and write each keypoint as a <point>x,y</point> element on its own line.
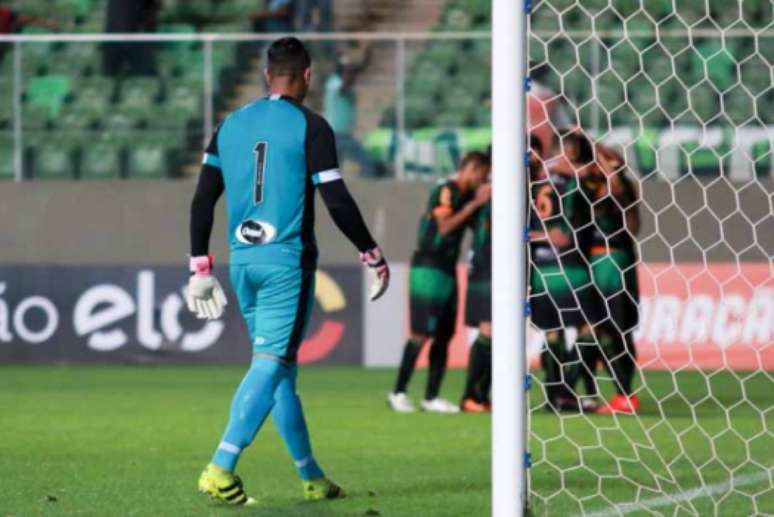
<point>323,488</point>
<point>223,486</point>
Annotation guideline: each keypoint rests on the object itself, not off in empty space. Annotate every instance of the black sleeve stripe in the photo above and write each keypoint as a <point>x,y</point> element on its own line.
<point>320,145</point>
<point>208,191</point>
<point>346,215</point>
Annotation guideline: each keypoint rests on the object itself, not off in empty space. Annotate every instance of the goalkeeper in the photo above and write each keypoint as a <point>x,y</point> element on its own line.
<point>433,279</point>
<point>613,258</point>
<point>268,157</point>
<point>561,293</point>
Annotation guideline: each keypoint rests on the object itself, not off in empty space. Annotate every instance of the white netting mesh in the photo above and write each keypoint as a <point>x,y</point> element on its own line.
<point>682,91</point>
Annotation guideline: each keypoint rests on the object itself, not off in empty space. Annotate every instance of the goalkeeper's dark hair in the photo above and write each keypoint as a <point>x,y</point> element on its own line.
<point>287,57</point>
<point>477,158</point>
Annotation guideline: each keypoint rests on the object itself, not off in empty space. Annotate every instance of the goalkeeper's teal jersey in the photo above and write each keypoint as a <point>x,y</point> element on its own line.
<point>271,153</point>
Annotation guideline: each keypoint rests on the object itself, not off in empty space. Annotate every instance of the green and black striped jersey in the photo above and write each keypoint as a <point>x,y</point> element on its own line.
<point>481,261</point>
<point>609,217</point>
<point>559,202</point>
<point>433,248</point>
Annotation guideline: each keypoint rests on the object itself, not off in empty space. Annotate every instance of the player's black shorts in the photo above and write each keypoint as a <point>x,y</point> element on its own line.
<point>433,299</point>
<point>478,303</point>
<point>563,297</point>
<point>615,276</point>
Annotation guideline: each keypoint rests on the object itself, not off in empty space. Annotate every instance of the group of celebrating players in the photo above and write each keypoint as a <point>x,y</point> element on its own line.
<point>582,221</point>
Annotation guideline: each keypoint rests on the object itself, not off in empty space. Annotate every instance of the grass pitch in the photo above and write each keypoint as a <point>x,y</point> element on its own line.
<point>132,441</point>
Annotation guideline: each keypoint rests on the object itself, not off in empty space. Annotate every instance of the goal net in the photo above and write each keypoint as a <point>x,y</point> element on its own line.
<point>651,252</point>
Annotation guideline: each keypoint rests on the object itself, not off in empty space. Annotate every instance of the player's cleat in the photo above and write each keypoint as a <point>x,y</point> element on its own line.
<point>323,488</point>
<point>563,404</point>
<point>399,402</point>
<point>473,406</point>
<point>439,405</point>
<point>589,404</point>
<point>621,404</point>
<point>224,487</point>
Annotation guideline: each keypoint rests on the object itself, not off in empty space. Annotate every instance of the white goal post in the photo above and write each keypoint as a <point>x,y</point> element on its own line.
<point>509,428</point>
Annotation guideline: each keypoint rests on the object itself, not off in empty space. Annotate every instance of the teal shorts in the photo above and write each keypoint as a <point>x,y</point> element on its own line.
<point>276,303</point>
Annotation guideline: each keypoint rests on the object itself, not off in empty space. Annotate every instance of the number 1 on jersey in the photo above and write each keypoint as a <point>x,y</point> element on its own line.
<point>260,167</point>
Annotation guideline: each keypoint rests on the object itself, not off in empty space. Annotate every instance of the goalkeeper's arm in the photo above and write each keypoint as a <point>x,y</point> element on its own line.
<point>208,191</point>
<point>323,165</point>
<point>346,215</point>
<point>204,295</point>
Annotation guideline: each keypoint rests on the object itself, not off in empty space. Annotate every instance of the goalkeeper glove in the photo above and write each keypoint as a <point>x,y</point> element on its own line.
<point>203,294</point>
<point>375,261</point>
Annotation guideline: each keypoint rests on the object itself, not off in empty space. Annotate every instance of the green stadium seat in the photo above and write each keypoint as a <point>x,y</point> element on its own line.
<point>482,116</point>
<point>6,102</point>
<point>77,118</point>
<point>184,96</point>
<point>148,160</point>
<point>723,16</point>
<point>139,92</point>
<point>756,75</point>
<point>6,155</point>
<point>119,119</point>
<point>50,91</point>
<point>168,116</point>
<point>704,103</point>
<point>53,160</point>
<point>82,58</point>
<point>426,79</point>
<point>198,9</point>
<point>178,28</point>
<point>101,160</point>
<point>452,119</point>
<point>35,117</point>
<point>544,21</point>
<point>234,9</point>
<point>442,53</point>
<point>418,110</point>
<point>179,60</point>
<point>457,20</point>
<point>762,156</point>
<point>719,64</point>
<point>739,106</point>
<point>94,93</point>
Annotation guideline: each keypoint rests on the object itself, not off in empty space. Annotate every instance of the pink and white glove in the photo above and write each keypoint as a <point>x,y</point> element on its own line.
<point>204,295</point>
<point>376,262</point>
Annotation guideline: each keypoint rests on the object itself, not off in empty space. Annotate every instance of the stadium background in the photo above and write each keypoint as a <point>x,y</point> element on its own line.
<point>421,102</point>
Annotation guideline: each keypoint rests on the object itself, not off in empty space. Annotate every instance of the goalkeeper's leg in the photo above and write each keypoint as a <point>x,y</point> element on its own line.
<point>251,405</point>
<point>288,417</point>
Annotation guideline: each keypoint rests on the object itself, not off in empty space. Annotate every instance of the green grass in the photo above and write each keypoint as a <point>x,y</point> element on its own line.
<point>132,440</point>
